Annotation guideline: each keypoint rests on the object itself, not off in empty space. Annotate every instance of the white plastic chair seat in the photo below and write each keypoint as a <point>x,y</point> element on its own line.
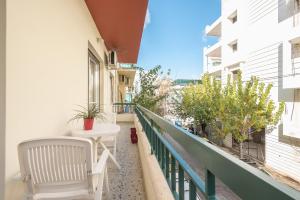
<point>78,194</point>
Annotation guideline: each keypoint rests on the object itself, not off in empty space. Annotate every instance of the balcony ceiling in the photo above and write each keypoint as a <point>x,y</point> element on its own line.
<point>214,51</point>
<point>215,29</point>
<point>121,24</point>
<point>127,72</point>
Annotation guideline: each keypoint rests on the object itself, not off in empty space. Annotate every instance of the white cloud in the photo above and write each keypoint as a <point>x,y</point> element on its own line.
<point>147,19</point>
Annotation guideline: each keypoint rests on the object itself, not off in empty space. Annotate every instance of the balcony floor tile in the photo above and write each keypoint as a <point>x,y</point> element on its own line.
<point>126,184</point>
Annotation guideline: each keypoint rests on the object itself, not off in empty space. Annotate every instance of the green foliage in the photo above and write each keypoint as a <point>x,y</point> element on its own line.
<point>148,97</point>
<point>247,106</point>
<point>91,112</point>
<point>239,107</point>
<point>201,101</point>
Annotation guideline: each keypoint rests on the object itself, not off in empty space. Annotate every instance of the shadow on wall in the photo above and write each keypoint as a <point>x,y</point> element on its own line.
<point>286,95</point>
<point>286,9</point>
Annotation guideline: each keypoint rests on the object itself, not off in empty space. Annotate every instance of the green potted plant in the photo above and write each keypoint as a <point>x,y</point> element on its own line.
<point>88,115</point>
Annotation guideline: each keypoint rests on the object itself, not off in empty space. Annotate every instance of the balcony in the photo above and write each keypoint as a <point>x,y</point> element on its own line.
<point>291,63</point>
<point>126,83</point>
<point>189,166</point>
<point>215,29</point>
<point>214,51</point>
<point>170,163</point>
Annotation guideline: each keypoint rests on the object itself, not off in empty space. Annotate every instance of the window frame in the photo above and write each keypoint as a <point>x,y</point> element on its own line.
<point>93,58</point>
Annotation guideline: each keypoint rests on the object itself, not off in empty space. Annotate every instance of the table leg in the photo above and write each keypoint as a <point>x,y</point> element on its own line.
<point>110,155</point>
<point>95,150</point>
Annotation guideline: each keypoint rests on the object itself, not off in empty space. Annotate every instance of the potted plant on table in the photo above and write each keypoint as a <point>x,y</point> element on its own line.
<point>88,115</point>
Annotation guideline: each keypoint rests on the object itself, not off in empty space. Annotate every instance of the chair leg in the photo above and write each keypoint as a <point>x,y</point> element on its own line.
<point>115,147</point>
<point>99,190</point>
<point>106,179</point>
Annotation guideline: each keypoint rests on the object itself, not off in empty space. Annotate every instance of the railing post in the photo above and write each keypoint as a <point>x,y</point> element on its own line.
<point>173,175</point>
<point>167,166</point>
<point>192,192</point>
<point>159,151</point>
<point>156,145</point>
<point>151,136</point>
<point>210,189</point>
<point>163,159</point>
<point>181,182</point>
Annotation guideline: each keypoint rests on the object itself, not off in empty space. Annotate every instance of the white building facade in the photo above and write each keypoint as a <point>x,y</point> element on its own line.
<point>262,38</point>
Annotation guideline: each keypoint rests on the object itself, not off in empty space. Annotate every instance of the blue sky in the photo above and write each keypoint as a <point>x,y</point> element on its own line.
<point>173,35</point>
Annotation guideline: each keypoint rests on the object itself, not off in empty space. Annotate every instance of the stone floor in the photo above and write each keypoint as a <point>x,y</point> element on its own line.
<point>127,183</point>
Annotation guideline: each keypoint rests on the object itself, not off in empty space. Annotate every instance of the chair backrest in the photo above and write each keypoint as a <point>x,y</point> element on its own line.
<point>52,164</point>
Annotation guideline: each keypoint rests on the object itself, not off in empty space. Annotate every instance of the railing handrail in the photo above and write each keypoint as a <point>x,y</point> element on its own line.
<point>121,104</point>
<point>244,180</point>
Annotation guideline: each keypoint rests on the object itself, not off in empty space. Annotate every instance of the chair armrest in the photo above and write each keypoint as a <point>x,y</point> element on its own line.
<point>99,167</point>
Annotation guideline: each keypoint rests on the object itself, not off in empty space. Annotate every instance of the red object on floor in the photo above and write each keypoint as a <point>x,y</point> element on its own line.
<point>133,130</point>
<point>88,124</point>
<point>134,138</point>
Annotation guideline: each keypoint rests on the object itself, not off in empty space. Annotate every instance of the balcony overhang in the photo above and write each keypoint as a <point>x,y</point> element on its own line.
<point>214,51</point>
<point>129,72</point>
<point>214,29</point>
<point>121,24</point>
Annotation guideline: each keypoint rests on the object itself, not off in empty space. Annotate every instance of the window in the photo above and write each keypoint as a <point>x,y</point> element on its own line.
<point>291,125</point>
<point>297,5</point>
<point>112,58</point>
<point>112,88</point>
<point>297,13</point>
<point>121,78</point>
<point>93,80</point>
<point>233,17</point>
<point>234,46</point>
<point>235,74</point>
<point>126,81</point>
<point>105,59</point>
<point>295,56</point>
<point>296,50</point>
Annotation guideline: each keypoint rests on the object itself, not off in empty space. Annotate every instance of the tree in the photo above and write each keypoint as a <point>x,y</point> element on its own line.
<point>238,108</point>
<point>246,108</point>
<point>201,102</point>
<point>148,96</point>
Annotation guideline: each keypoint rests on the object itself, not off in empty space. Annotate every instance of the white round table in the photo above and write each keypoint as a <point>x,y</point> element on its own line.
<point>99,130</point>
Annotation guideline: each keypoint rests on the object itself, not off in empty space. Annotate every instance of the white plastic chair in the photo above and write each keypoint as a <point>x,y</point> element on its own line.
<point>62,168</point>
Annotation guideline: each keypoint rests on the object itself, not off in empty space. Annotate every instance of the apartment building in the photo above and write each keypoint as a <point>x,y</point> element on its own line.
<point>262,38</point>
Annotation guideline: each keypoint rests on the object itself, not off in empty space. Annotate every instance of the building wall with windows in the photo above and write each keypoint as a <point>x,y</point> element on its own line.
<point>263,40</point>
<point>47,73</point>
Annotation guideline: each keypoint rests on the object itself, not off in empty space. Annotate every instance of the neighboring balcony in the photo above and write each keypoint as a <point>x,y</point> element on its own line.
<point>214,51</point>
<point>214,67</point>
<point>126,83</point>
<point>291,64</point>
<point>214,60</point>
<point>215,29</point>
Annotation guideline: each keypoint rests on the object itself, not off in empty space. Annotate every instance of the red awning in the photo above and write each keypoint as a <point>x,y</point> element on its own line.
<point>121,24</point>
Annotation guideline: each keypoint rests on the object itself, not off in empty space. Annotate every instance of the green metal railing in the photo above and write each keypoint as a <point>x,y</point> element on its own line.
<point>123,108</point>
<point>244,180</point>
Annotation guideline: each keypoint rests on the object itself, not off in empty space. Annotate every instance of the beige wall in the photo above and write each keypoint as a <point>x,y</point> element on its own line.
<point>2,94</point>
<point>47,56</point>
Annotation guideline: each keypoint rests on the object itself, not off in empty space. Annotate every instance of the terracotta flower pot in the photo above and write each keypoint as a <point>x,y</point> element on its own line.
<point>88,124</point>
